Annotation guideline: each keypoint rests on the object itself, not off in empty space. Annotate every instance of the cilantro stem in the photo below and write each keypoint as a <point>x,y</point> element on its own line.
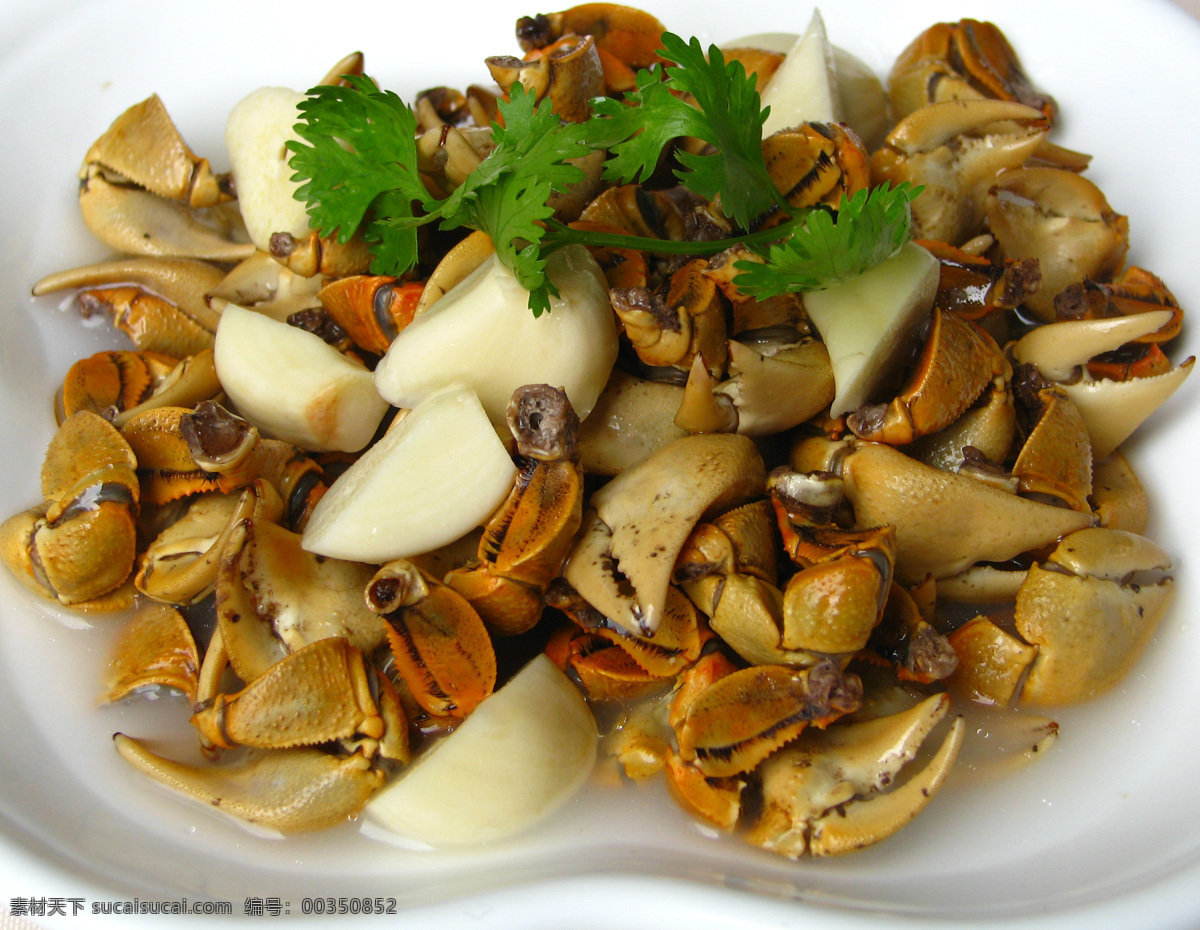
<point>561,235</point>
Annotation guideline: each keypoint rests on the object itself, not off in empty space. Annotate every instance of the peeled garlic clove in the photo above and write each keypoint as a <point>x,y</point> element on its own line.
<point>523,753</point>
<point>483,334</point>
<point>434,476</point>
<point>861,97</point>
<point>804,88</point>
<point>256,133</point>
<point>866,322</point>
<point>293,386</point>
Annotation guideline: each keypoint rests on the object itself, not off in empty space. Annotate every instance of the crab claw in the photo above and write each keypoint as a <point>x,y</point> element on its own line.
<point>144,146</point>
<point>944,522</point>
<point>164,309</point>
<point>128,219</point>
<point>1057,349</point>
<point>771,387</point>
<point>955,149</point>
<point>441,648</point>
<point>1090,609</point>
<point>741,718</point>
<point>79,545</point>
<point>1063,220</point>
<point>642,518</point>
<point>317,694</point>
<point>155,649</point>
<point>289,790</point>
<point>1112,410</point>
<point>826,793</point>
<point>273,597</point>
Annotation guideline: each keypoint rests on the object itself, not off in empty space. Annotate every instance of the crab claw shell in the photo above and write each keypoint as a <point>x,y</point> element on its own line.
<point>717,801</point>
<point>1057,349</point>
<point>944,522</point>
<point>981,584</point>
<point>443,652</point>
<point>455,267</point>
<point>740,719</point>
<point>1088,625</point>
<point>826,793</point>
<point>1062,219</point>
<point>749,619</point>
<point>317,694</point>
<point>990,427</point>
<point>156,647</point>
<point>16,546</point>
<point>632,419</point>
<point>398,583</point>
<point>955,149</point>
<point>108,382</point>
<point>16,552</point>
<point>273,597</point>
<point>1112,410</point>
<point>128,219</point>
<point>189,383</point>
<point>1118,498</point>
<point>183,282</point>
<point>776,390</point>
<point>628,34</point>
<point>180,565</point>
<point>650,510</point>
<point>144,146</point>
<point>267,286</point>
<point>85,547</point>
<point>991,661</point>
<point>1056,460</point>
<point>289,790</point>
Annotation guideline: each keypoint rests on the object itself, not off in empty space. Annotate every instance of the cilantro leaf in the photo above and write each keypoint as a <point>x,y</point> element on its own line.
<point>531,146</point>
<point>357,161</point>
<point>637,129</point>
<point>506,196</point>
<point>870,227</point>
<point>360,156</point>
<point>728,115</point>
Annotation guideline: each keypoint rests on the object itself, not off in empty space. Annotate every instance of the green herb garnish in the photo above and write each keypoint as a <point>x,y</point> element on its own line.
<point>870,227</point>
<point>729,117</point>
<point>362,154</point>
<point>358,156</point>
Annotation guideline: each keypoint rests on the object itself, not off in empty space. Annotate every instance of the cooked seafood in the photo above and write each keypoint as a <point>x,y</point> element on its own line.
<point>778,521</point>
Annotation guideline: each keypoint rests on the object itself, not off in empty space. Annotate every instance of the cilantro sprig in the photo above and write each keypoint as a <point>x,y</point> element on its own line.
<point>869,227</point>
<point>728,115</point>
<point>360,156</point>
<point>360,162</point>
<point>357,164</point>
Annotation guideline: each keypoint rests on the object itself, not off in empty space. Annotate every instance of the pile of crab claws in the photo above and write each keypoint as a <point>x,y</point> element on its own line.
<point>834,790</point>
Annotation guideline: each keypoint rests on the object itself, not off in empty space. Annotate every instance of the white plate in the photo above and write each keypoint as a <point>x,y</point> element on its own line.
<point>1107,823</point>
